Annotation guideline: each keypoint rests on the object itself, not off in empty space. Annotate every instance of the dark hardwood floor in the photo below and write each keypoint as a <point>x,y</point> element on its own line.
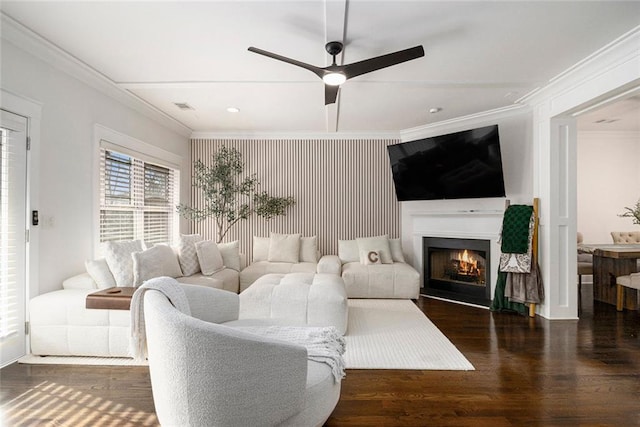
<point>529,372</point>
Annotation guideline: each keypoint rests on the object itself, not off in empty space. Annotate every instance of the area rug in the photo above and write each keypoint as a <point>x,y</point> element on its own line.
<point>382,334</point>
<point>395,334</point>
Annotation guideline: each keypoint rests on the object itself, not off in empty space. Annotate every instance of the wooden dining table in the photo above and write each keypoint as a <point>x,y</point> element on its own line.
<point>611,261</point>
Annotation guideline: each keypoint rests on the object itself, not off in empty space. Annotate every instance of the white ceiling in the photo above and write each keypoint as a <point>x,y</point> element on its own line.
<point>623,115</point>
<point>479,55</point>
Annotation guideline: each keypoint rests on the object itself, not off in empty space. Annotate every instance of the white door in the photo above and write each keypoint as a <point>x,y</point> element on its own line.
<point>13,235</point>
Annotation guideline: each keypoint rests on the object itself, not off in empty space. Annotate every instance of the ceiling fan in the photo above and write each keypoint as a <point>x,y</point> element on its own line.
<point>334,75</point>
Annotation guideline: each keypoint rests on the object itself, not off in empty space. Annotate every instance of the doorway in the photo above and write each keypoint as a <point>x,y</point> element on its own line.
<point>608,173</point>
<point>13,236</point>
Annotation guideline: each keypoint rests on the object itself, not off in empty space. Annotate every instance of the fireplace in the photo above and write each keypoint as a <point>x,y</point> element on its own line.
<point>457,269</point>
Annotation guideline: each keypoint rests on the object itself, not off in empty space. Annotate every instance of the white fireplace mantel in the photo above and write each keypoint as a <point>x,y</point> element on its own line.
<point>462,224</point>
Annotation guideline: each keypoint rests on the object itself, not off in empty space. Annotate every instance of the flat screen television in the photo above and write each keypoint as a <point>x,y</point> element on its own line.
<point>461,165</point>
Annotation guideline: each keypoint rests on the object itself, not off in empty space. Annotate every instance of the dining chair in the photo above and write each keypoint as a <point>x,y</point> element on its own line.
<point>631,281</point>
<point>625,237</point>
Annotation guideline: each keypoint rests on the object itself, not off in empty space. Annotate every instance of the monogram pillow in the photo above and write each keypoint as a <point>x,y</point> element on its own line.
<point>370,257</point>
<point>379,244</point>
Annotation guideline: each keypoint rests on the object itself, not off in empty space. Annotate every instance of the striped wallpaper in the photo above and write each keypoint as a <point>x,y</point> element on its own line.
<point>343,188</point>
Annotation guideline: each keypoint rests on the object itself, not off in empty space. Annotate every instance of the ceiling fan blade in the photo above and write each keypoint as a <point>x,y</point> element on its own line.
<point>383,61</point>
<point>316,70</point>
<point>330,94</point>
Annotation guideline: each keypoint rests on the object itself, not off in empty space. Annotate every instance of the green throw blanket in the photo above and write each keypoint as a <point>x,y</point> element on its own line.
<point>515,229</point>
<point>501,303</point>
<point>515,239</point>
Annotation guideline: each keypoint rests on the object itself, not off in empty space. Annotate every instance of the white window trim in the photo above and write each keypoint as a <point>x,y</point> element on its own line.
<point>116,141</point>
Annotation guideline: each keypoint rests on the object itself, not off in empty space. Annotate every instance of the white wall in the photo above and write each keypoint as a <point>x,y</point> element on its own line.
<point>70,108</point>
<point>608,179</point>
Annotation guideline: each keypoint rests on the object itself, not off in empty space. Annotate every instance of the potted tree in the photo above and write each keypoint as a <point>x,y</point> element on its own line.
<point>228,195</point>
<point>632,213</point>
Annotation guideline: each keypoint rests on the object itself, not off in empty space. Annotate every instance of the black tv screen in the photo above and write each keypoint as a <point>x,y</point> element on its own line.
<point>461,165</point>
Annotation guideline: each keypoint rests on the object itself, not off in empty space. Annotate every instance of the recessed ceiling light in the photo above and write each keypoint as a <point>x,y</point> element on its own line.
<point>435,110</point>
<point>233,109</point>
<point>183,106</point>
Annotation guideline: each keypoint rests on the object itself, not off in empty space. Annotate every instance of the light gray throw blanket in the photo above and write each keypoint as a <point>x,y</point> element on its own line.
<point>174,293</point>
<point>323,344</point>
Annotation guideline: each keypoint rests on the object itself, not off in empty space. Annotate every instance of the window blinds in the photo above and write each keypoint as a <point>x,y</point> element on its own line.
<point>137,199</point>
<point>12,233</point>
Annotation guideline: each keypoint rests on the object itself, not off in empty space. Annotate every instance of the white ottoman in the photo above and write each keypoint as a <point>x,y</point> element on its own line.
<point>303,298</point>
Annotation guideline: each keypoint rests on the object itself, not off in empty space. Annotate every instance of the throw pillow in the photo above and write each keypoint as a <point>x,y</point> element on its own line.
<point>80,281</point>
<point>260,248</point>
<point>308,249</point>
<point>348,251</point>
<point>99,271</point>
<point>187,255</point>
<point>378,243</point>
<point>230,254</point>
<point>118,256</point>
<point>157,261</point>
<point>284,247</point>
<point>396,250</point>
<point>370,257</point>
<point>209,257</point>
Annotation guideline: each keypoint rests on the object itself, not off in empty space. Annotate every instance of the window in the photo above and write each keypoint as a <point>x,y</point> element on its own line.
<point>137,199</point>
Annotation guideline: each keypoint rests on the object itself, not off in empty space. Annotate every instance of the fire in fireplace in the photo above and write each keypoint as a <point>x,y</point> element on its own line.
<point>465,266</point>
<point>457,269</point>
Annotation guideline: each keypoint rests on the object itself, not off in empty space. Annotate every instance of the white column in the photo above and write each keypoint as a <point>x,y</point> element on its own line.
<point>555,185</point>
<point>612,72</point>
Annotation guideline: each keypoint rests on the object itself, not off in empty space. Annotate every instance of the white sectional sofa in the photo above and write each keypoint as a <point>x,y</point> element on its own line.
<point>373,267</point>
<point>61,325</point>
<point>280,254</point>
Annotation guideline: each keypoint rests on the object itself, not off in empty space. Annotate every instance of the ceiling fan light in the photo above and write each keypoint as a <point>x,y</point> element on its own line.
<point>334,79</point>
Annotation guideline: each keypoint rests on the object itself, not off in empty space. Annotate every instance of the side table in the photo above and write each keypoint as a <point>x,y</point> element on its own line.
<point>117,298</point>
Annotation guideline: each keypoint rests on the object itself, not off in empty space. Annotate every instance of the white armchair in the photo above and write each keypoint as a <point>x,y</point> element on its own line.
<point>204,373</point>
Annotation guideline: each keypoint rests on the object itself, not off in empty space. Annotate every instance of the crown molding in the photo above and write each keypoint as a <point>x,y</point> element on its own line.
<point>619,56</point>
<point>296,135</point>
<point>36,45</point>
<point>457,123</point>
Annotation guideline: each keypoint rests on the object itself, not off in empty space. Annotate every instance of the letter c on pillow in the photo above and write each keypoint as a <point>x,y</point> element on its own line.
<point>373,257</point>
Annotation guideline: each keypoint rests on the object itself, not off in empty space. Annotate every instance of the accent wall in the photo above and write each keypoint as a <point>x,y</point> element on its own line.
<point>342,186</point>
